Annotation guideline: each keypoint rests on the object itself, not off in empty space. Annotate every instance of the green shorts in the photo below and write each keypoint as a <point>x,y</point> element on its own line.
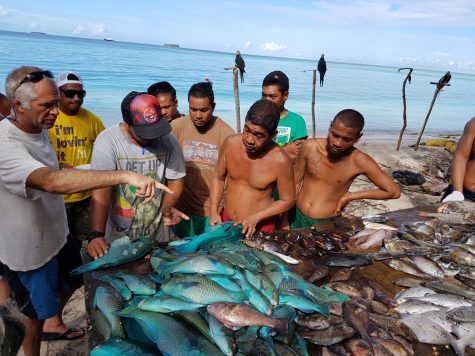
<point>298,220</point>
<point>195,226</point>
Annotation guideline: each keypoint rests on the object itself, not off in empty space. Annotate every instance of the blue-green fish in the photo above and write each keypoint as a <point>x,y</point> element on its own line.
<point>196,320</point>
<point>242,259</point>
<point>303,304</point>
<point>134,332</point>
<point>299,344</point>
<point>255,297</point>
<point>100,324</point>
<point>222,336</point>
<point>138,284</point>
<point>258,300</point>
<point>171,336</point>
<point>167,304</point>
<point>121,251</point>
<point>274,272</point>
<point>108,302</point>
<point>281,311</point>
<point>203,264</point>
<point>119,285</point>
<point>318,294</point>
<point>226,282</point>
<point>264,284</point>
<point>199,289</point>
<point>121,347</point>
<point>224,232</point>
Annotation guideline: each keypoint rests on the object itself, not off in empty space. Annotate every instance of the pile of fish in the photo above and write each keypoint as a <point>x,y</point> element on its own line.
<point>438,318</point>
<point>211,295</point>
<point>367,324</point>
<point>432,249</point>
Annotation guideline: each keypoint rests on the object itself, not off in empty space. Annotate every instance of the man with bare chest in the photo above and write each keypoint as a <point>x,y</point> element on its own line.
<point>463,167</point>
<point>325,169</point>
<point>250,165</point>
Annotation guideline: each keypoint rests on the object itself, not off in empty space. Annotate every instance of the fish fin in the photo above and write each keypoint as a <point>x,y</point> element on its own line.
<point>123,241</point>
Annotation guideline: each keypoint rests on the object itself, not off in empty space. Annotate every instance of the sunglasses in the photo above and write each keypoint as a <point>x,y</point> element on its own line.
<point>71,93</point>
<point>35,77</point>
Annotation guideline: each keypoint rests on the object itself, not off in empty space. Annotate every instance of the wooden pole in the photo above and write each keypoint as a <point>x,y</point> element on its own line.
<point>314,82</point>
<point>427,118</point>
<point>236,100</point>
<point>404,118</point>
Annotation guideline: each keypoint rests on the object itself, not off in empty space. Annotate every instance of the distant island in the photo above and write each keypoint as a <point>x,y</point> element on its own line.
<point>108,39</point>
<point>38,33</point>
<point>171,45</point>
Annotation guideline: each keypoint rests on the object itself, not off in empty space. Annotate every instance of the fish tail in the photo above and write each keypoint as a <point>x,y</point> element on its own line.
<point>91,266</point>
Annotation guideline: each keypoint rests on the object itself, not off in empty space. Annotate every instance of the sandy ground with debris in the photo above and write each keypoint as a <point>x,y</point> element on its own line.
<point>432,162</point>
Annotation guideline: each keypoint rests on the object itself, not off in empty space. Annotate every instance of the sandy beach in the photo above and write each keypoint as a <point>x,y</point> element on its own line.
<point>432,162</point>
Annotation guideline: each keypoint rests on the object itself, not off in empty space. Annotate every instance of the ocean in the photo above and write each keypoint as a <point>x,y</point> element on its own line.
<point>111,69</point>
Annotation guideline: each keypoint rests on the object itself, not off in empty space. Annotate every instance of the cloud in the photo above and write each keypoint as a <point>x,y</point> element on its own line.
<point>33,25</point>
<point>273,46</point>
<point>92,29</point>
<point>3,12</point>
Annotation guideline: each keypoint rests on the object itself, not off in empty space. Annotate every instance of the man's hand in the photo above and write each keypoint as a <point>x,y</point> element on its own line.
<point>249,224</point>
<point>146,186</point>
<point>97,248</point>
<point>454,196</point>
<point>341,204</point>
<point>215,218</point>
<point>173,216</point>
<point>293,149</point>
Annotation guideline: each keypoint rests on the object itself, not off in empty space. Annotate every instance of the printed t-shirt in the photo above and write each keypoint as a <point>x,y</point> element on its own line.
<point>201,152</point>
<point>33,222</point>
<point>291,128</point>
<point>72,138</point>
<point>128,215</point>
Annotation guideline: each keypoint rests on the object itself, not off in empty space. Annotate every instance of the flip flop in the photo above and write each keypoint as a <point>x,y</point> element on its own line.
<point>64,336</point>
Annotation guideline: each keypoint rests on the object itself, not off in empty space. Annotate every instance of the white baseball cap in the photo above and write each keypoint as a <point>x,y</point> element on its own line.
<point>68,78</point>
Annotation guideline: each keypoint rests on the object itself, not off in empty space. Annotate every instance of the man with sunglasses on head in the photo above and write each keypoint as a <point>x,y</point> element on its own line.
<point>32,213</point>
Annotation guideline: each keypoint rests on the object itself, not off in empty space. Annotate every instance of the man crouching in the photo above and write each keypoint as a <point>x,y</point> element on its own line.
<point>251,164</point>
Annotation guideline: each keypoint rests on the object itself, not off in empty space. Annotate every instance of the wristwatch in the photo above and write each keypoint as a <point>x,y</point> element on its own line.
<point>94,235</point>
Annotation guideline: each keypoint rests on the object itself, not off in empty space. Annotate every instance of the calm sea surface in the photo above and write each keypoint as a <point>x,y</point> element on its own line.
<point>111,69</point>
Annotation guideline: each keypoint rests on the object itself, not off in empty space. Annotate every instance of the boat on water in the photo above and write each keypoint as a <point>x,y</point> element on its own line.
<point>38,33</point>
<point>172,45</point>
<point>109,39</point>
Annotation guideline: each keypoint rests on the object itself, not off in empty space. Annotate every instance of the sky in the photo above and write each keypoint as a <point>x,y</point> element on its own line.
<point>416,33</point>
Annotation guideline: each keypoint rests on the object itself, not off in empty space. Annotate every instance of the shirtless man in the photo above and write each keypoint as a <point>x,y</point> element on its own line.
<point>252,164</point>
<point>463,167</point>
<point>325,170</point>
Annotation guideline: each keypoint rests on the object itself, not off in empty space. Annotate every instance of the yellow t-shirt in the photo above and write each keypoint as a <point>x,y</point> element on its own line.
<point>72,138</point>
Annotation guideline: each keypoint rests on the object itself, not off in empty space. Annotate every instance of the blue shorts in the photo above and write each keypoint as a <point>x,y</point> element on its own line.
<point>37,291</point>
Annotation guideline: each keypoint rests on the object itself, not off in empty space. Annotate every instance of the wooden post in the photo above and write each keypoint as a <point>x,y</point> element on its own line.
<point>236,100</point>
<point>314,82</point>
<point>427,118</point>
<point>404,118</point>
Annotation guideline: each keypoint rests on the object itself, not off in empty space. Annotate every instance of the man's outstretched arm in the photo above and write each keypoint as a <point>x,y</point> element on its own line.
<point>387,188</point>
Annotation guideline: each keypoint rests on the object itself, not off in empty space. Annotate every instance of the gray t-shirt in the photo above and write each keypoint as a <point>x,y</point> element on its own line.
<point>114,151</point>
<point>33,222</point>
